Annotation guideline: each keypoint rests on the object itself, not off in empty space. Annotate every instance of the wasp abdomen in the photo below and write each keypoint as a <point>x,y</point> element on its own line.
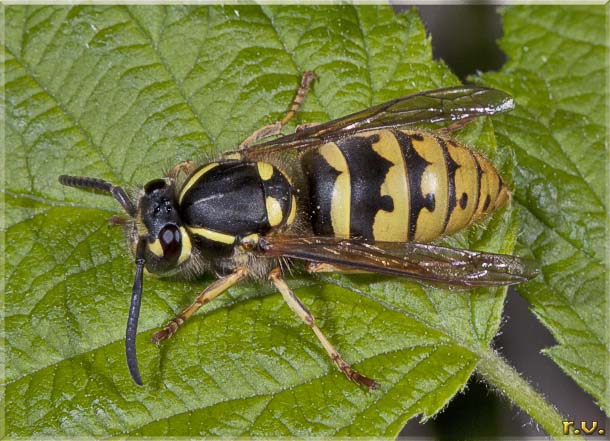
<point>224,201</point>
<point>399,185</point>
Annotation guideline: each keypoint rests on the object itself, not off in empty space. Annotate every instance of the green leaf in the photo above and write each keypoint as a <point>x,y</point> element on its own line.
<point>558,75</point>
<point>122,92</point>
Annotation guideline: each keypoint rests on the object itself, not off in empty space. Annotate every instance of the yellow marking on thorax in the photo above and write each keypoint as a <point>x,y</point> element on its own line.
<point>212,235</point>
<point>342,192</point>
<point>392,226</point>
<point>194,178</point>
<point>274,211</point>
<point>430,224</point>
<point>251,238</point>
<point>466,182</point>
<point>248,242</point>
<point>265,170</point>
<point>234,155</point>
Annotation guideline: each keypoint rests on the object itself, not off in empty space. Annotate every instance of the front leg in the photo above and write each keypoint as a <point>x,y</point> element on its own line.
<point>210,293</point>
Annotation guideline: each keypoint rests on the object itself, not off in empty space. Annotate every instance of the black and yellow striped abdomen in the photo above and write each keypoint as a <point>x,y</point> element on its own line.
<point>399,185</point>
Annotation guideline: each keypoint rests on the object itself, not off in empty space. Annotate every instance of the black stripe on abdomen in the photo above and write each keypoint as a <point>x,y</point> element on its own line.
<point>368,172</point>
<point>451,167</point>
<point>416,165</point>
<point>321,177</point>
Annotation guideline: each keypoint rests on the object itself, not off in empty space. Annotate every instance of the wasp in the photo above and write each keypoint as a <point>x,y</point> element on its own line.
<point>367,192</point>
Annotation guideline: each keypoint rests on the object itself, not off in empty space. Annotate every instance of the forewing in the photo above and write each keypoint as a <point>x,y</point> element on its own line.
<point>448,104</point>
<point>420,261</point>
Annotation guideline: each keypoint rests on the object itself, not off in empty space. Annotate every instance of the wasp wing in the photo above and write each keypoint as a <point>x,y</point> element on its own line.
<point>448,104</point>
<point>421,261</point>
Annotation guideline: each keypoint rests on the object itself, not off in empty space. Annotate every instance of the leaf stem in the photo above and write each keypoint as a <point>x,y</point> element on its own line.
<point>499,374</point>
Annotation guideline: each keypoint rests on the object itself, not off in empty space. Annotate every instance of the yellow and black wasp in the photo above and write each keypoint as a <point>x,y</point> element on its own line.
<point>366,194</point>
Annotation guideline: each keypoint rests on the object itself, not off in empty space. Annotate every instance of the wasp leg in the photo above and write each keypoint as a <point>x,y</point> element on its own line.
<point>276,128</point>
<point>304,126</point>
<point>323,267</point>
<point>457,125</point>
<point>210,293</point>
<point>301,310</point>
<point>263,132</point>
<point>186,167</point>
<point>115,220</point>
<point>306,80</point>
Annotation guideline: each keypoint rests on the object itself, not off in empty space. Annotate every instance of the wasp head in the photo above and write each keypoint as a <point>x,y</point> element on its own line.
<point>158,222</point>
<point>157,238</point>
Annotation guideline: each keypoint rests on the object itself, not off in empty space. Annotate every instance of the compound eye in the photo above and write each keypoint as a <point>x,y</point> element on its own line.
<point>155,184</point>
<point>171,242</point>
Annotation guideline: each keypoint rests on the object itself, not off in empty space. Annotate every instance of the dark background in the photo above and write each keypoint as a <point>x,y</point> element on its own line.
<point>465,38</point>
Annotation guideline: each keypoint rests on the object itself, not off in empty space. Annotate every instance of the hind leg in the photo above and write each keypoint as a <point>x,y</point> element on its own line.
<point>276,128</point>
<point>306,316</point>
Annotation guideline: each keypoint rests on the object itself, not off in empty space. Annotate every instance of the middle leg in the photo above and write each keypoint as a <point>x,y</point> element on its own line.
<point>211,292</point>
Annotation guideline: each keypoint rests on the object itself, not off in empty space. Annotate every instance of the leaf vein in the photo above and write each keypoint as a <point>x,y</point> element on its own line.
<point>179,86</point>
<point>86,135</point>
